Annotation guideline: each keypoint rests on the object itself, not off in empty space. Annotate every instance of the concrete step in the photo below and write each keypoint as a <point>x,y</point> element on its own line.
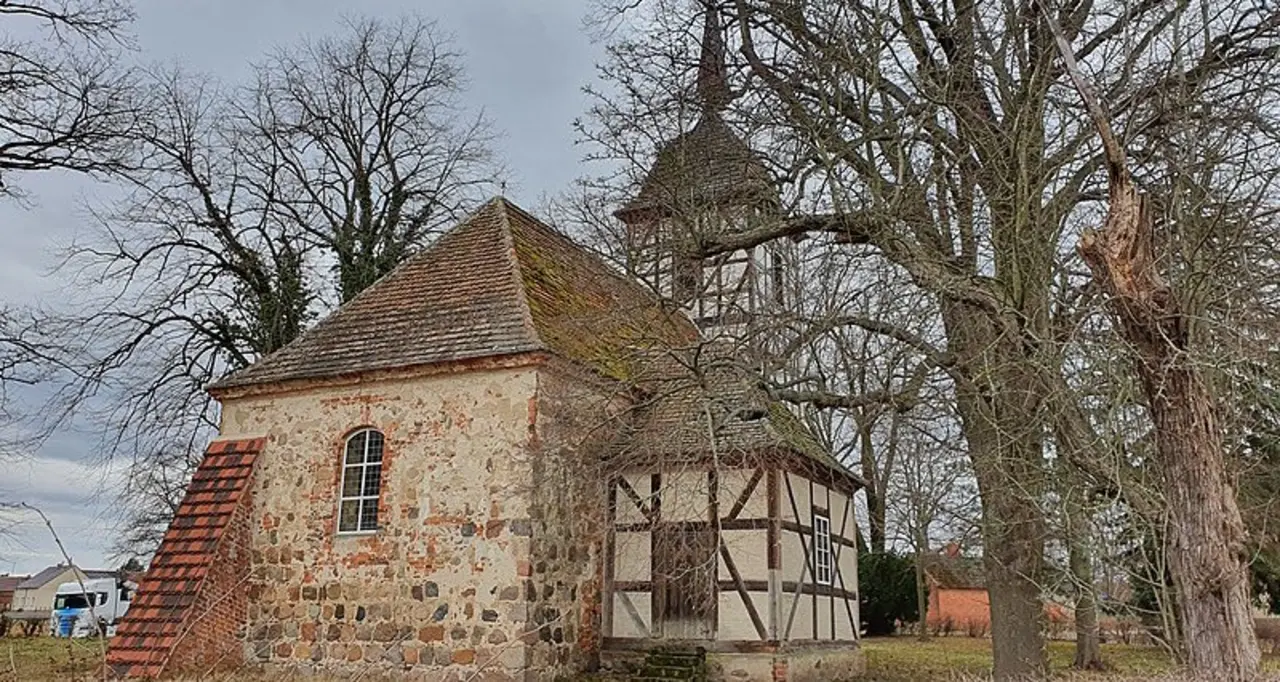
<point>671,673</point>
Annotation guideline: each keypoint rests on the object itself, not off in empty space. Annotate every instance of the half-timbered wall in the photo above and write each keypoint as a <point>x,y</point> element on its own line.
<point>764,582</point>
<point>743,569</point>
<point>809,610</point>
<point>628,612</point>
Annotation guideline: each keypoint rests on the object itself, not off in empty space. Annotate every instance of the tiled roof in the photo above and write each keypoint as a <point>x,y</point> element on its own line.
<point>39,580</point>
<point>9,582</point>
<point>955,572</point>
<point>500,283</point>
<point>707,166</point>
<point>158,616</point>
<point>690,395</point>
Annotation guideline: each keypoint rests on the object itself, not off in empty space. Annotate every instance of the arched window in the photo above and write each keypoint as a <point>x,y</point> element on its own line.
<point>361,482</point>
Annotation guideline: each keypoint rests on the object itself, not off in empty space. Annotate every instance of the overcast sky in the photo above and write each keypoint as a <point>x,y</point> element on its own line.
<point>527,61</point>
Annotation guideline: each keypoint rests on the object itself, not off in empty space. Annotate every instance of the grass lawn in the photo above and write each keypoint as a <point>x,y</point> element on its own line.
<point>904,659</point>
<point>889,659</point>
<point>46,658</point>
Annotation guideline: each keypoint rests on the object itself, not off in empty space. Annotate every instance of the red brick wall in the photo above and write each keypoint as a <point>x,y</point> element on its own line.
<point>969,610</point>
<point>211,638</point>
<point>962,607</point>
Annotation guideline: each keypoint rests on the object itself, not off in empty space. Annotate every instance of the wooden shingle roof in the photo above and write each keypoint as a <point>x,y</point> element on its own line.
<point>162,612</point>
<point>501,283</point>
<point>955,572</point>
<point>708,166</point>
<point>692,396</point>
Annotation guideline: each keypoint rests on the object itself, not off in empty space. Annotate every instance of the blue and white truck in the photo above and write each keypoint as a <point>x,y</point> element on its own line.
<point>89,608</point>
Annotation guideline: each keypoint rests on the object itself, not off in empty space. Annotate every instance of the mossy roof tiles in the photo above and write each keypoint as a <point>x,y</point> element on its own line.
<point>501,283</point>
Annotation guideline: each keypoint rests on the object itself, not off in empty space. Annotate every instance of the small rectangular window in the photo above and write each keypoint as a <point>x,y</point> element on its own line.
<point>822,561</point>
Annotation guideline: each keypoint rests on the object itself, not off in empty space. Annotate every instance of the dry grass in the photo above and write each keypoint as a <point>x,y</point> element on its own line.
<point>905,659</point>
<point>891,659</point>
<point>46,658</point>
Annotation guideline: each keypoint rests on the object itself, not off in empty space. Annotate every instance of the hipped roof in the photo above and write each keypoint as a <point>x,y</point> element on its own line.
<point>501,283</point>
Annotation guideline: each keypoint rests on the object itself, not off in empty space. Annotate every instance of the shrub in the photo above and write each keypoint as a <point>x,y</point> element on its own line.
<point>888,592</point>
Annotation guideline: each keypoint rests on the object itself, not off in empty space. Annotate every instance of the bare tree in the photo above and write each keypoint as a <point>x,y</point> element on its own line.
<point>343,155</point>
<point>1208,533</point>
<point>941,138</point>
<point>374,147</point>
<point>933,495</point>
<point>65,102</point>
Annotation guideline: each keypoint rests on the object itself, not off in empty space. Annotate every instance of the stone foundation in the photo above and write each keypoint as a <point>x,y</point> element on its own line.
<point>827,662</point>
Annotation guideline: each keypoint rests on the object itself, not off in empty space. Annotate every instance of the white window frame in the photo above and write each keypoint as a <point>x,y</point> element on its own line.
<point>361,468</point>
<point>823,559</point>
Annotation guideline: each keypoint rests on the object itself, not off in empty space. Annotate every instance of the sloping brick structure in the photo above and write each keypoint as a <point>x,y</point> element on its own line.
<point>197,577</point>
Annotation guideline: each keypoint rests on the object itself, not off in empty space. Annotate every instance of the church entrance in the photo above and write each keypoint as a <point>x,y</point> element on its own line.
<point>684,577</point>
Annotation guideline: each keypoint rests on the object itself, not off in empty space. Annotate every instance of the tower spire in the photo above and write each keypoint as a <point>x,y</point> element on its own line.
<point>713,76</point>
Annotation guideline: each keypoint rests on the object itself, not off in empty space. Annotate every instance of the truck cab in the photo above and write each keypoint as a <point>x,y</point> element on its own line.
<point>90,608</point>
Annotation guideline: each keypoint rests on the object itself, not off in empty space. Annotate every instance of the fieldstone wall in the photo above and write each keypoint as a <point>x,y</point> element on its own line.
<point>573,429</point>
<point>444,589</point>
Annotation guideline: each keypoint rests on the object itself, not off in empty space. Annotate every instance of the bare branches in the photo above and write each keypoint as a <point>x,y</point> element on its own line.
<point>944,138</point>
<point>67,104</point>
<point>373,147</point>
<point>343,155</point>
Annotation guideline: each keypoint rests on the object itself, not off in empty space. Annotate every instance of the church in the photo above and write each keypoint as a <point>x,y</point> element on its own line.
<point>508,460</point>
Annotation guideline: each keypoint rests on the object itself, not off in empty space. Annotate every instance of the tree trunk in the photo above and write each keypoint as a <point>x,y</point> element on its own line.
<point>1076,446</point>
<point>922,594</point>
<point>871,474</point>
<point>1208,556</point>
<point>1207,551</point>
<point>1088,648</point>
<point>998,407</point>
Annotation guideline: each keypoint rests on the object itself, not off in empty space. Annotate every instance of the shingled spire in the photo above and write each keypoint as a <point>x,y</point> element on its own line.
<point>713,74</point>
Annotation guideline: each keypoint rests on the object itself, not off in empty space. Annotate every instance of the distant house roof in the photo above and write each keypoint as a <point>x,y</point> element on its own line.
<point>950,570</point>
<point>708,166</point>
<point>42,578</point>
<point>501,283</point>
<point>10,582</point>
<point>687,396</point>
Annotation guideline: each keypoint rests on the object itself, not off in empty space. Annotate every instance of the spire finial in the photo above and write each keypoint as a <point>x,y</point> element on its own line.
<point>713,77</point>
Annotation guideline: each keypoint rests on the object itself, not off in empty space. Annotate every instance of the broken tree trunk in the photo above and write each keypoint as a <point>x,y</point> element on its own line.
<point>1207,552</point>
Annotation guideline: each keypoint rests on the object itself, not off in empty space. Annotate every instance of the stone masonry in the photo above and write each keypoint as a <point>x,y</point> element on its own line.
<point>486,558</point>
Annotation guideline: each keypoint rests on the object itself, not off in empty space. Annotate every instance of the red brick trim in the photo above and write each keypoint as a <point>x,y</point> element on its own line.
<point>192,577</point>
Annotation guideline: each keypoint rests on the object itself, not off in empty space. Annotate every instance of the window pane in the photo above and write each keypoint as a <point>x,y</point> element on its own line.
<point>822,550</point>
<point>349,518</point>
<point>351,481</point>
<point>375,447</point>
<point>355,448</point>
<point>372,480</point>
<point>369,515</point>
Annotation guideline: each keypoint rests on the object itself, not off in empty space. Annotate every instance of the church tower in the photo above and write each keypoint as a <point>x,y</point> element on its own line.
<point>704,182</point>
